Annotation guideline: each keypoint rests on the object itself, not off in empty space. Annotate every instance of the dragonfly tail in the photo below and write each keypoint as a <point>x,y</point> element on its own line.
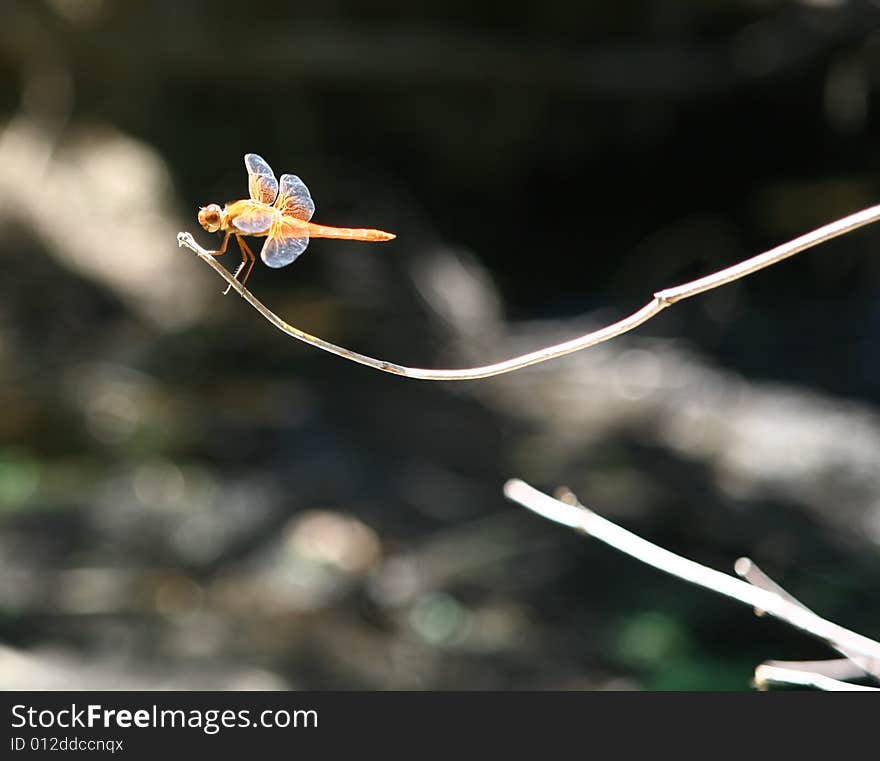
<point>348,233</point>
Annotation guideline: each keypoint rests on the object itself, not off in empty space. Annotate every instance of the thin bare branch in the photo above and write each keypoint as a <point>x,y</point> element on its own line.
<point>592,524</point>
<point>766,675</point>
<point>749,570</point>
<point>661,300</point>
<point>835,668</point>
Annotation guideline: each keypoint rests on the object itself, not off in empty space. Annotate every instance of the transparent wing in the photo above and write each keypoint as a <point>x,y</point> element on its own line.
<point>294,199</point>
<point>253,221</point>
<point>261,179</point>
<point>284,245</point>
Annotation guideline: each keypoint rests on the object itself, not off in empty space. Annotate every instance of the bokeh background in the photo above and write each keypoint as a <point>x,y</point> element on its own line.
<point>189,499</point>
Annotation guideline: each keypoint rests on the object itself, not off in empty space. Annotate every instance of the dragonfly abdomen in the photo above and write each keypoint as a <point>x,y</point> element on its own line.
<point>348,233</point>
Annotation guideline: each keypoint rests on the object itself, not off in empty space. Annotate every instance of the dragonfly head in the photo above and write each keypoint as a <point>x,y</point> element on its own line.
<point>210,217</point>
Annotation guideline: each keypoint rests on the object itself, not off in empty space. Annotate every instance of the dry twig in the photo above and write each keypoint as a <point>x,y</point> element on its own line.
<point>834,668</point>
<point>767,675</point>
<point>569,513</point>
<point>748,570</point>
<point>661,300</point>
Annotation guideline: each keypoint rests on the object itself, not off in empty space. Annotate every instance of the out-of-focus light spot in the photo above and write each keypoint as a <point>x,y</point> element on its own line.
<point>320,556</point>
<point>396,582</point>
<point>114,400</point>
<point>459,290</point>
<point>111,198</point>
<point>210,514</point>
<point>177,596</point>
<point>159,483</point>
<point>94,590</point>
<point>494,628</point>
<point>327,537</point>
<point>19,478</point>
<point>112,416</point>
<point>77,11</point>
<point>636,374</point>
<point>198,539</point>
<point>201,632</point>
<point>182,507</point>
<point>281,585</point>
<point>685,430</point>
<point>439,618</point>
<point>649,638</point>
<point>257,680</point>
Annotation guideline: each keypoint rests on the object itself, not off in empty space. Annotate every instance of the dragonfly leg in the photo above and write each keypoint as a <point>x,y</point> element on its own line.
<point>250,254</point>
<point>247,260</point>
<point>222,250</point>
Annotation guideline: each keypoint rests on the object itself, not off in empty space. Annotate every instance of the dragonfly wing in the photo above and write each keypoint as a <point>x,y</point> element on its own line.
<point>254,221</point>
<point>261,179</point>
<point>284,245</point>
<point>294,199</point>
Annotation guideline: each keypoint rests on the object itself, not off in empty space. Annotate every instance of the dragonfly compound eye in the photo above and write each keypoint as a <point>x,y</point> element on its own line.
<point>209,217</point>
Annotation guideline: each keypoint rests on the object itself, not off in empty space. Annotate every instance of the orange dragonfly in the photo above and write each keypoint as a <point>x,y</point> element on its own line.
<point>279,210</point>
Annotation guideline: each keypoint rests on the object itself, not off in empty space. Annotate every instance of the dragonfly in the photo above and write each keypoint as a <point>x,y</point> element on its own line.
<point>281,211</point>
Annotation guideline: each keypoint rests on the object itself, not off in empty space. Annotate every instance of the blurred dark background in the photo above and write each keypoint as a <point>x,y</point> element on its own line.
<point>189,499</point>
